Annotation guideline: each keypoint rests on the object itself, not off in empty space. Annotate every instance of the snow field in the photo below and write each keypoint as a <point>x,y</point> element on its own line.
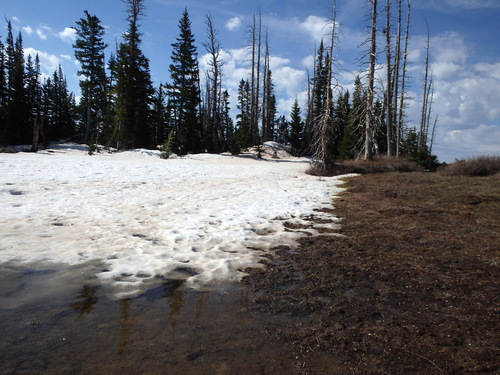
<point>203,218</point>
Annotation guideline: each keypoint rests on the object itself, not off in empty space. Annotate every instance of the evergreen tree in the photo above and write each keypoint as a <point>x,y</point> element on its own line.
<point>226,120</point>
<point>10,57</point>
<point>244,132</point>
<point>58,109</point>
<point>19,129</point>
<point>159,116</point>
<point>340,123</point>
<point>282,130</point>
<point>320,84</point>
<point>4,93</point>
<point>184,91</point>
<point>268,108</point>
<point>296,137</point>
<point>352,139</point>
<point>34,97</point>
<point>133,88</point>
<point>89,51</point>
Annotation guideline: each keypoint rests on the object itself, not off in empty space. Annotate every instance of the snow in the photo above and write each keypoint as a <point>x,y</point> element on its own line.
<point>203,218</point>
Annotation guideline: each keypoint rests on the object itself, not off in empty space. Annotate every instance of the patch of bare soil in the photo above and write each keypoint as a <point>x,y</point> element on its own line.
<point>412,286</point>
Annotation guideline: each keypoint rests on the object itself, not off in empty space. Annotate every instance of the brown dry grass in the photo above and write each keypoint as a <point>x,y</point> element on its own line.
<point>411,288</point>
<point>375,165</point>
<point>478,166</point>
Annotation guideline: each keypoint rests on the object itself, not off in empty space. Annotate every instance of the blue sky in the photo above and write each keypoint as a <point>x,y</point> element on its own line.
<point>465,51</point>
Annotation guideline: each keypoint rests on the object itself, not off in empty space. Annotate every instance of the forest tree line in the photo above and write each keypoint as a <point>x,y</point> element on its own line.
<point>120,107</point>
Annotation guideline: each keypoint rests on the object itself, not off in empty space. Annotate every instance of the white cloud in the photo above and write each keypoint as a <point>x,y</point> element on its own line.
<point>489,70</point>
<point>465,97</point>
<point>68,35</point>
<point>480,140</point>
<point>317,27</point>
<point>234,23</point>
<point>447,6</point>
<point>28,30</point>
<point>49,63</point>
<point>41,34</point>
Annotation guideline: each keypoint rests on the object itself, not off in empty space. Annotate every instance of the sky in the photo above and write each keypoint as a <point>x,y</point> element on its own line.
<point>464,51</point>
<point>57,208</point>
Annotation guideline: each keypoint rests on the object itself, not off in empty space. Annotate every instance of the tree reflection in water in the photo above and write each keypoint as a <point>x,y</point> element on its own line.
<point>87,300</point>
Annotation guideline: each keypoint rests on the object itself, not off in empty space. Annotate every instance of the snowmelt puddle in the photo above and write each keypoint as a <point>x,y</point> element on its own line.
<point>202,218</point>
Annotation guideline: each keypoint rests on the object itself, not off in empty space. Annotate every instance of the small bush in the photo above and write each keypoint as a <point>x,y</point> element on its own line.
<point>93,148</point>
<point>381,165</point>
<point>376,165</point>
<point>478,166</point>
<point>167,146</point>
<point>7,150</point>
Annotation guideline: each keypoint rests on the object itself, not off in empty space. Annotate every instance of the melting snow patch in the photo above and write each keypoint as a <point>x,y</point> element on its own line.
<point>201,218</point>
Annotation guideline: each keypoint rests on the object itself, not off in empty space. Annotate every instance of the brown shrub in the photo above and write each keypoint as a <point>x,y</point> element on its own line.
<point>478,166</point>
<point>376,165</point>
<point>7,150</point>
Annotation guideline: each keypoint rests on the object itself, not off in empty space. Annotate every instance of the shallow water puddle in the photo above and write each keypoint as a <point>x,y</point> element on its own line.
<point>60,321</point>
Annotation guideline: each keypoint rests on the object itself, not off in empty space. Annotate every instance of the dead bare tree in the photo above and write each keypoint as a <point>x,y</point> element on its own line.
<point>403,82</point>
<point>369,119</point>
<point>214,82</point>
<point>422,134</point>
<point>389,86</point>
<point>256,41</point>
<point>324,130</point>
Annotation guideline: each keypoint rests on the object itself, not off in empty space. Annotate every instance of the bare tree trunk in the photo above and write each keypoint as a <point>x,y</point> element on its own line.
<point>265,94</point>
<point>371,80</point>
<point>388,94</point>
<point>403,79</point>
<point>256,36</point>
<point>430,100</point>
<point>36,134</point>
<point>423,119</point>
<point>395,82</point>
<point>253,104</point>
<point>433,134</point>
<point>214,83</point>
<point>257,91</point>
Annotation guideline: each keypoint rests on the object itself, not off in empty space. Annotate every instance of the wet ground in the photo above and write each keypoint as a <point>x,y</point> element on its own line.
<point>56,320</point>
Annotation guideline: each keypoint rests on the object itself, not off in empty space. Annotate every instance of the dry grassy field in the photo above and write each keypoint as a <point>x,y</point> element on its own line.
<point>411,287</point>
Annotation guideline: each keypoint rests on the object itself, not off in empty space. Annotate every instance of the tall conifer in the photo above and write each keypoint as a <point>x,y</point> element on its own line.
<point>184,91</point>
<point>89,51</point>
<point>133,89</point>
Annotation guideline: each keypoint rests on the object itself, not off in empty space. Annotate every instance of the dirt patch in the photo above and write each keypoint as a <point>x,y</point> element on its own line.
<point>412,286</point>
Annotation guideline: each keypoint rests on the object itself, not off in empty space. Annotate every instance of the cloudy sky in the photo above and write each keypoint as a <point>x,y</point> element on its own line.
<point>464,39</point>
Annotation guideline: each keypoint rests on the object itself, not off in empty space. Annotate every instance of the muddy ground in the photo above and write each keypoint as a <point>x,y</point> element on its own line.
<point>411,287</point>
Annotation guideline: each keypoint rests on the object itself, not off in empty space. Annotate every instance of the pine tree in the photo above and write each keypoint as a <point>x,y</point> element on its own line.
<point>340,123</point>
<point>34,92</point>
<point>19,129</point>
<point>282,130</point>
<point>244,132</point>
<point>296,136</point>
<point>4,93</point>
<point>184,91</point>
<point>226,120</point>
<point>268,108</point>
<point>133,87</point>
<point>351,143</point>
<point>62,108</point>
<point>89,51</point>
<point>159,116</point>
